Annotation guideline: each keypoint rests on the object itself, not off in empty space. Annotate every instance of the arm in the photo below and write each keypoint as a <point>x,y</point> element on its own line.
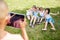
<point>24,34</point>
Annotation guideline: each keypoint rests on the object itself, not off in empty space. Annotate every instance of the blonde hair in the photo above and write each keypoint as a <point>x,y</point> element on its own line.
<point>3,6</point>
<point>3,13</point>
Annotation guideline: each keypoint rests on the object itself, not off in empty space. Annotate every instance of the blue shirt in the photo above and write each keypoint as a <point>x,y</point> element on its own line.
<point>35,13</point>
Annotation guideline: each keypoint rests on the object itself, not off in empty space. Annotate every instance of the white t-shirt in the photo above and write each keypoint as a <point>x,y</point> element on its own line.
<point>48,16</point>
<point>41,13</point>
<point>29,12</point>
<point>12,37</point>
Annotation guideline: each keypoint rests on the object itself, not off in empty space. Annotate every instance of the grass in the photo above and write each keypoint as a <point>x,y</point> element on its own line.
<point>20,6</point>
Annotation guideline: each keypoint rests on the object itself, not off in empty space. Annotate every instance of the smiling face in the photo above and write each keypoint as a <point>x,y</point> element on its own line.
<point>41,9</point>
<point>46,11</point>
<point>34,9</point>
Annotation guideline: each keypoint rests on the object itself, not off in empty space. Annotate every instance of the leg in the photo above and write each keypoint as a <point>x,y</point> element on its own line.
<point>31,21</point>
<point>46,23</point>
<point>41,19</point>
<point>38,19</point>
<point>31,17</point>
<point>34,20</point>
<point>28,17</point>
<point>52,26</point>
<point>22,27</point>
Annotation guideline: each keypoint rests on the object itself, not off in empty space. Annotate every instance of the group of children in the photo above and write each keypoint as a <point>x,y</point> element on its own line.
<point>33,14</point>
<point>37,14</point>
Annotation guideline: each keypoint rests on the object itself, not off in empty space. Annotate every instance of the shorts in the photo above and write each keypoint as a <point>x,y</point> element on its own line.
<point>41,16</point>
<point>35,16</point>
<point>50,20</point>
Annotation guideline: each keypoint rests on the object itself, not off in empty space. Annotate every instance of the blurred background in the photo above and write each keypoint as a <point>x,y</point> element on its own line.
<point>20,6</point>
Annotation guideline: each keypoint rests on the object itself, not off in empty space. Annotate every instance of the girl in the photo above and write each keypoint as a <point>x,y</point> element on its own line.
<point>49,19</point>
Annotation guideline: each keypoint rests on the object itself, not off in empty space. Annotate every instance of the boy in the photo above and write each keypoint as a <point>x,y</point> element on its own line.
<point>49,19</point>
<point>4,35</point>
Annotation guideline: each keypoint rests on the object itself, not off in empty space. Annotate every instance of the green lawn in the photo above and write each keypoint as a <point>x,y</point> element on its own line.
<point>20,6</point>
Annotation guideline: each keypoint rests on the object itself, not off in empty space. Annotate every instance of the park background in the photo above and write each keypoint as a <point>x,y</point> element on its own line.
<point>20,6</point>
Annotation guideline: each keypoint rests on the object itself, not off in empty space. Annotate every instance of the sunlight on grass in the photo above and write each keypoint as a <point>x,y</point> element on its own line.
<point>21,4</point>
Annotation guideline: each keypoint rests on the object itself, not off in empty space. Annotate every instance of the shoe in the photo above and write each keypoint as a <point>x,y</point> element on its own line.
<point>53,28</point>
<point>38,23</point>
<point>32,26</point>
<point>44,29</point>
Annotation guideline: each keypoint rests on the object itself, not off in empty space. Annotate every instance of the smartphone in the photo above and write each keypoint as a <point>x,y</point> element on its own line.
<point>16,17</point>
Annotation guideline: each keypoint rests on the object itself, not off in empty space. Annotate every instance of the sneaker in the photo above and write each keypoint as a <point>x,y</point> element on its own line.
<point>44,29</point>
<point>53,28</point>
<point>39,23</point>
<point>32,26</point>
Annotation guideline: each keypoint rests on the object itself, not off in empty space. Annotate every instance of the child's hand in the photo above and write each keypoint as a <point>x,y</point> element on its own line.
<point>23,23</point>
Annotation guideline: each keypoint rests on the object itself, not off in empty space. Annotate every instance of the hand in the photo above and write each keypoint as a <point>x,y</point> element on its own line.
<point>23,23</point>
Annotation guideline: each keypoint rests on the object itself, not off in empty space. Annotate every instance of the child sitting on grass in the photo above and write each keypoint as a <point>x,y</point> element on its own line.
<point>29,14</point>
<point>4,35</point>
<point>41,12</point>
<point>34,17</point>
<point>48,19</point>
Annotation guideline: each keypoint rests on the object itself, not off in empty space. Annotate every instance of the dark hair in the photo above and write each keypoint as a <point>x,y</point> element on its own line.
<point>48,10</point>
